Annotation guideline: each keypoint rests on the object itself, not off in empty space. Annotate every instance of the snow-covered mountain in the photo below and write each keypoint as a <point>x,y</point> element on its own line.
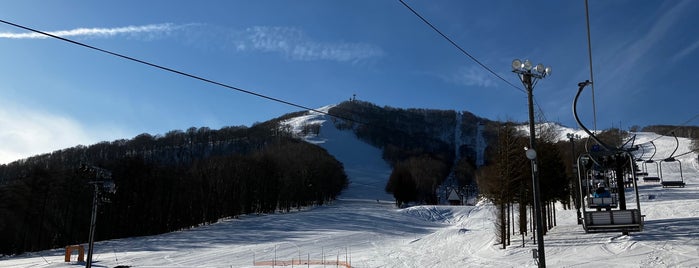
<point>367,171</point>
<point>560,130</point>
<point>364,229</point>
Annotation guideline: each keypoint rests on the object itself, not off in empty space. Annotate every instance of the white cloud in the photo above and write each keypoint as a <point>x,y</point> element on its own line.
<point>96,32</point>
<point>470,76</point>
<point>288,41</point>
<point>25,133</point>
<point>294,44</point>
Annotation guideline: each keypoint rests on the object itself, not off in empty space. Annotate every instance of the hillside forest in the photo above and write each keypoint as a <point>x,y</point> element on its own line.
<point>163,183</point>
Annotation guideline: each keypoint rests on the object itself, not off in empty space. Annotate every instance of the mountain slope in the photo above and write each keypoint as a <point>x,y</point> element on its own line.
<point>367,171</point>
<point>376,234</point>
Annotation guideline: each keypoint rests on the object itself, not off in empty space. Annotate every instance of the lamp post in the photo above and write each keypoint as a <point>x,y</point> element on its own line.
<point>529,75</point>
<point>105,184</point>
<point>576,180</point>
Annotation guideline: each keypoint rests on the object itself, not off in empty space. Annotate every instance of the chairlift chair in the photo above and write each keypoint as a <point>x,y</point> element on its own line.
<point>657,167</point>
<point>613,161</point>
<point>644,172</point>
<point>604,214</point>
<point>671,159</point>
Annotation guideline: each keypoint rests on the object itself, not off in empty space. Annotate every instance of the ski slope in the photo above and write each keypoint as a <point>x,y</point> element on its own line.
<point>365,229</point>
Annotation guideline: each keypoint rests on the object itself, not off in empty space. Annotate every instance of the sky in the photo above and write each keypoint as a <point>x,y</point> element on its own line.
<point>55,94</point>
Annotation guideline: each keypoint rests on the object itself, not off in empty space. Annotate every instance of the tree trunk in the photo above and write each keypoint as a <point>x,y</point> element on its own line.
<point>503,225</point>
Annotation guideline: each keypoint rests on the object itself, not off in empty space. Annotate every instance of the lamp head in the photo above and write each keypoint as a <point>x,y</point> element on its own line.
<point>531,154</point>
<point>516,64</point>
<point>540,69</point>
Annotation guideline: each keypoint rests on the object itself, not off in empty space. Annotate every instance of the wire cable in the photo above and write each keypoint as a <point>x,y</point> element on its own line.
<point>203,79</point>
<point>459,47</point>
<point>676,128</point>
<point>589,53</point>
<point>469,55</point>
<point>176,71</point>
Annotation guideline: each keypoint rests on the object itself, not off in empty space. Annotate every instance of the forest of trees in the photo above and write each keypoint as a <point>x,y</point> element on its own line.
<point>417,143</point>
<point>416,180</point>
<point>164,183</point>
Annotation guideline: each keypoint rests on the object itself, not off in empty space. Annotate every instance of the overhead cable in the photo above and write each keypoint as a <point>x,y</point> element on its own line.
<point>176,71</point>
<point>459,47</point>
<point>676,128</point>
<point>466,53</point>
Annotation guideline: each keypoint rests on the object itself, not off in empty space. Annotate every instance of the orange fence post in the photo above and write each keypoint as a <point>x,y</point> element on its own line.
<point>68,249</point>
<point>81,252</point>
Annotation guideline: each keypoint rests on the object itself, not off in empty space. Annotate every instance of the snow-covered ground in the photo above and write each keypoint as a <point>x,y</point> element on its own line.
<point>365,229</point>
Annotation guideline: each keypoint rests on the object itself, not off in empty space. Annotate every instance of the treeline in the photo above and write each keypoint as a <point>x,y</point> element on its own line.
<point>691,132</point>
<point>401,133</point>
<point>418,143</point>
<point>416,180</point>
<point>164,183</point>
<point>506,179</point>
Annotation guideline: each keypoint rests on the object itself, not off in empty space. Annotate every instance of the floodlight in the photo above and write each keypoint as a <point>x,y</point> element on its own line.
<point>540,68</point>
<point>527,65</point>
<point>548,70</point>
<point>516,64</point>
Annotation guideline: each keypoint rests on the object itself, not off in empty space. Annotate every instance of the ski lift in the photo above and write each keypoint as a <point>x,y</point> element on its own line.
<point>611,164</point>
<point>671,159</point>
<point>657,167</point>
<point>640,159</point>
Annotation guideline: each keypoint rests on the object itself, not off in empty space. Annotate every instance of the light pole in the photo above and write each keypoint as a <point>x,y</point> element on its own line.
<point>105,185</point>
<point>576,180</point>
<point>529,75</point>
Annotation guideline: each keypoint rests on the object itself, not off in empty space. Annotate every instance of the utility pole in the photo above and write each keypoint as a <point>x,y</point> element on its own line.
<point>576,180</point>
<point>104,184</point>
<point>525,74</point>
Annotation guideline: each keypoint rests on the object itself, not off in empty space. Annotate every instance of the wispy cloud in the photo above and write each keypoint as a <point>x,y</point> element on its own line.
<point>97,32</point>
<point>294,44</point>
<point>470,76</point>
<point>287,41</point>
<point>628,58</point>
<point>686,51</point>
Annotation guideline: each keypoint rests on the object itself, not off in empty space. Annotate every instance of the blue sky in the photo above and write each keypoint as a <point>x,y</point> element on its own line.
<point>316,52</point>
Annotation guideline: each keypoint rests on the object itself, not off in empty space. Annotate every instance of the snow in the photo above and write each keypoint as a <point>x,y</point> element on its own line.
<point>365,229</point>
<point>562,131</point>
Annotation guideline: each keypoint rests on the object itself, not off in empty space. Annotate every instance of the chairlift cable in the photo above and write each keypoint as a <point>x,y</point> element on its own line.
<point>178,72</point>
<point>589,53</point>
<point>182,73</point>
<point>688,152</point>
<point>676,128</point>
<point>459,47</point>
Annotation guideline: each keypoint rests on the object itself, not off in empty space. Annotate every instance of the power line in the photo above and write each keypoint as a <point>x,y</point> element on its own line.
<point>541,112</point>
<point>176,71</point>
<point>200,78</point>
<point>469,54</point>
<point>459,47</point>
